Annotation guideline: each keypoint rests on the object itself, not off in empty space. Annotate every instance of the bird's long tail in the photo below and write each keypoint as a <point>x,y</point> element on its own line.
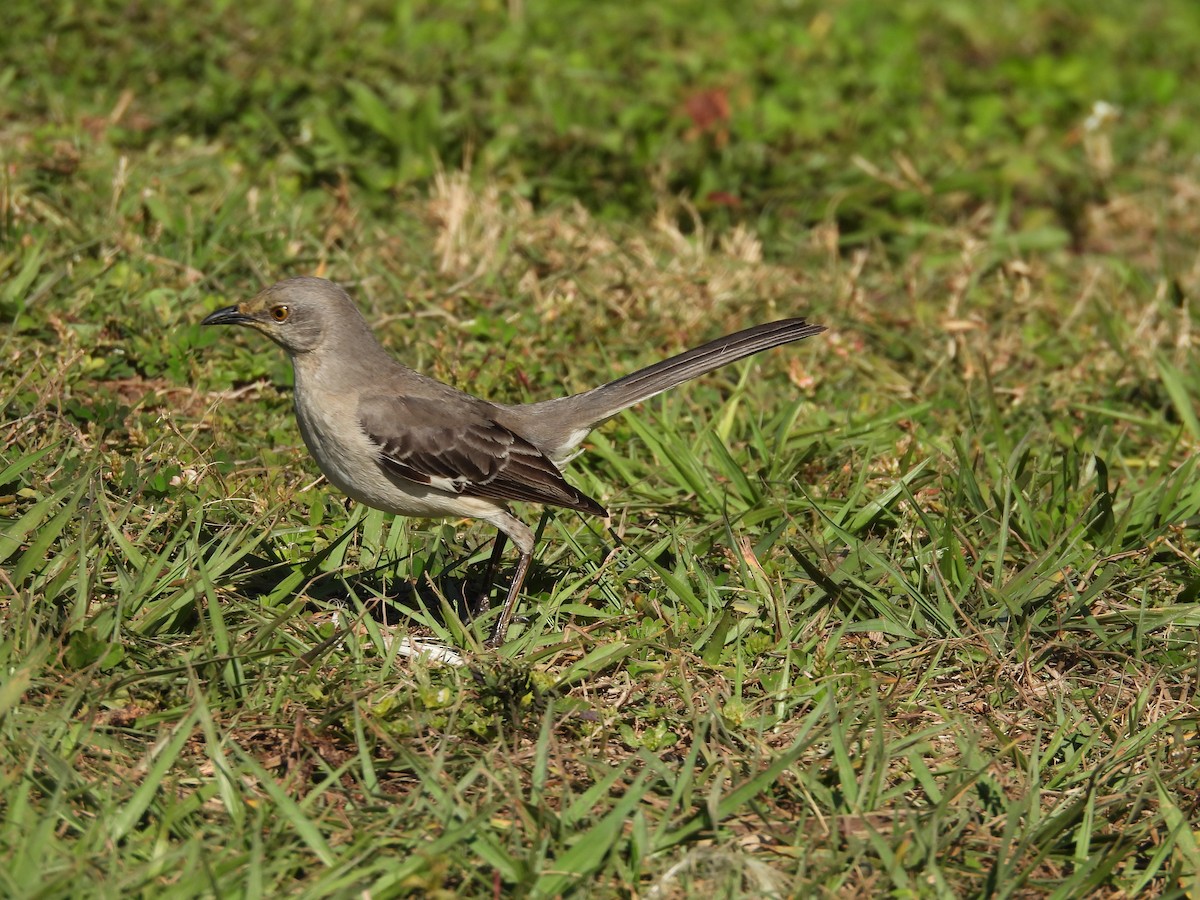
<point>563,423</point>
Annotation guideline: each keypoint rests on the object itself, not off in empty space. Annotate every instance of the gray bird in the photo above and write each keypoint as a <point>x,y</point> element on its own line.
<point>404,443</point>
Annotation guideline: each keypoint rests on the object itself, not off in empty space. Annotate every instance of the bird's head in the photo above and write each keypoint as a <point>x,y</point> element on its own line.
<point>299,314</point>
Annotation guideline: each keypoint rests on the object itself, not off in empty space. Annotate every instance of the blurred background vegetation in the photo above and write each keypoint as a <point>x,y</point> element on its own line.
<point>893,120</point>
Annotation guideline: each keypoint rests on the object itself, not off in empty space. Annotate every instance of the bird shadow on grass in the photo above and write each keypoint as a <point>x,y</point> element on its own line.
<point>443,593</point>
<point>390,599</point>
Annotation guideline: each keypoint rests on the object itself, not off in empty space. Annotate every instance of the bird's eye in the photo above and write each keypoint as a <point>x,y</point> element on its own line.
<point>280,313</point>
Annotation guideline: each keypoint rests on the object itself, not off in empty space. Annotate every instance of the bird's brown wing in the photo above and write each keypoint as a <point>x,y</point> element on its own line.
<point>452,444</point>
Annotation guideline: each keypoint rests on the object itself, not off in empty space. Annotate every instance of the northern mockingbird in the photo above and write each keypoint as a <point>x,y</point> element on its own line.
<point>398,441</point>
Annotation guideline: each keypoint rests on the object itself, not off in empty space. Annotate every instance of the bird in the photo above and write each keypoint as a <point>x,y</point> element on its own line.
<point>402,442</point>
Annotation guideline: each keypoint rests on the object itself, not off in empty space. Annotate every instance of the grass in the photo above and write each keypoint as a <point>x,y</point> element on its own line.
<point>909,609</point>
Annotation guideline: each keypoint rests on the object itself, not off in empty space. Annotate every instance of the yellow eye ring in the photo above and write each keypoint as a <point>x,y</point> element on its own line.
<point>280,313</point>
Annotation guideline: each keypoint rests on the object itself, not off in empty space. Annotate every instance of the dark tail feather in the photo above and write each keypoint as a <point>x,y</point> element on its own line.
<point>604,402</point>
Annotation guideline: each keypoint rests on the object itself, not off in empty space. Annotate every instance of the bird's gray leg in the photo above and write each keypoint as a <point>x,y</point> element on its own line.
<point>500,629</point>
<point>522,536</point>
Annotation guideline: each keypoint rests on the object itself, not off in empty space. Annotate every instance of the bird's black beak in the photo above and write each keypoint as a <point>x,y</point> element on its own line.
<point>227,316</point>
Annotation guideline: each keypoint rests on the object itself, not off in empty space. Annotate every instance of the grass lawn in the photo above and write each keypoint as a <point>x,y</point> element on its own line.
<point>910,609</point>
